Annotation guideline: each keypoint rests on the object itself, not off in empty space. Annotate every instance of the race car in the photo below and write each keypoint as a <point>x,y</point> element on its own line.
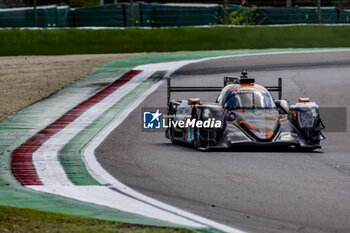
<point>244,114</point>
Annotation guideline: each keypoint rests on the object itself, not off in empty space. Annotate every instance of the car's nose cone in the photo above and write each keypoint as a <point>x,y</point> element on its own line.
<point>262,123</point>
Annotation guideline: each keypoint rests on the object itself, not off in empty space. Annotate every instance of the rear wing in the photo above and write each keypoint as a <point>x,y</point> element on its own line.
<point>227,80</point>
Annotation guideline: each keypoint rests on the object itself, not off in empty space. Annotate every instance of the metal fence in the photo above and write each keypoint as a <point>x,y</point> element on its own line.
<point>161,15</point>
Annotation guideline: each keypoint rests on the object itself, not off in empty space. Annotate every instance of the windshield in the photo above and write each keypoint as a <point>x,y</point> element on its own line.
<point>249,99</point>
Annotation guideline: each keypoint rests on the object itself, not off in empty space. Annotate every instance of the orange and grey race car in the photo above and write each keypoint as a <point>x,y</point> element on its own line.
<point>244,114</point>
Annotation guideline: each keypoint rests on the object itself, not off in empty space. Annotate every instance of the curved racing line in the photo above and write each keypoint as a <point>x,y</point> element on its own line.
<point>45,173</point>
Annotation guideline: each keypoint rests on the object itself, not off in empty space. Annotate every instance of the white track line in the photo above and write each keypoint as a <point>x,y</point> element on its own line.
<point>55,180</point>
<point>45,159</point>
<point>51,172</point>
<point>104,177</point>
<point>104,196</point>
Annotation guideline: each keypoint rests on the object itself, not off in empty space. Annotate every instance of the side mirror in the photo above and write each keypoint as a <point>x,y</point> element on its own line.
<point>282,104</point>
<point>277,103</point>
<point>230,116</point>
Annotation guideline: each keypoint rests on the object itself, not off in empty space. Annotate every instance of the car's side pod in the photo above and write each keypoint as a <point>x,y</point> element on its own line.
<point>306,118</point>
<point>205,138</point>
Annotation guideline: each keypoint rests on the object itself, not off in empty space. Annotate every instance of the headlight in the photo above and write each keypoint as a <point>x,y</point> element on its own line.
<point>306,118</point>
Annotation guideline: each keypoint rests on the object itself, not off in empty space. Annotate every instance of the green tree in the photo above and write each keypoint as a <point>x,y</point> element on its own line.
<point>244,16</point>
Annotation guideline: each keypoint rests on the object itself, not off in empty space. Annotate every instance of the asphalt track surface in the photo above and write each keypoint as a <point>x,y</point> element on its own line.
<point>255,190</point>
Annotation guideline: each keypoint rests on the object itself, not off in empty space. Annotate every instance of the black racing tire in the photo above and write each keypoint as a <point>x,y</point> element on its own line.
<point>172,135</point>
<point>197,142</point>
<point>171,130</point>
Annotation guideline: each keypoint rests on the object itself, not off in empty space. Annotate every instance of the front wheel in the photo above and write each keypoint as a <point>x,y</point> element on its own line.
<point>171,129</point>
<point>198,143</point>
<point>172,135</point>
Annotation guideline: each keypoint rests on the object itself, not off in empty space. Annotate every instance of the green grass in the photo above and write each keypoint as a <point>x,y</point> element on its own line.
<point>26,220</point>
<point>73,41</point>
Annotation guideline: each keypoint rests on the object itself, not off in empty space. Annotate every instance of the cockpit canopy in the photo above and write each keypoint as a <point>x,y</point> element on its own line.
<point>254,99</point>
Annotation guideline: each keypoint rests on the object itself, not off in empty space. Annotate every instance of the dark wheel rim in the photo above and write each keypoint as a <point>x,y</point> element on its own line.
<point>172,135</point>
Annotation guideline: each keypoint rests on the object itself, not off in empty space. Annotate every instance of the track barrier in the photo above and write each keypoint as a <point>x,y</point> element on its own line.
<point>163,15</point>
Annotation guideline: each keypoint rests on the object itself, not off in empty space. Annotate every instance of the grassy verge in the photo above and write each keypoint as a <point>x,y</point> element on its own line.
<point>73,41</point>
<point>26,220</point>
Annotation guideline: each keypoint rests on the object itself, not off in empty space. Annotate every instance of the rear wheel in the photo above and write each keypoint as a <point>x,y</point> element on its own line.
<point>197,140</point>
<point>172,135</point>
<point>171,130</point>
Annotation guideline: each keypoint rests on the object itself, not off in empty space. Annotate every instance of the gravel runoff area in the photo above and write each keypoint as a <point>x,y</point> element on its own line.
<point>27,79</point>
